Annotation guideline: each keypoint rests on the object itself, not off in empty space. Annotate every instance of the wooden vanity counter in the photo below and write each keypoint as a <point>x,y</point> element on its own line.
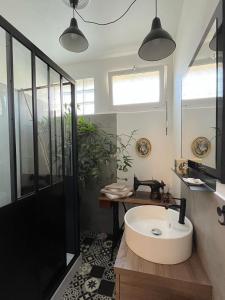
<point>139,279</point>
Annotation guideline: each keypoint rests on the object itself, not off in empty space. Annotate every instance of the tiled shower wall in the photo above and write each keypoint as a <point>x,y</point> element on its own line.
<point>209,236</point>
<point>93,217</point>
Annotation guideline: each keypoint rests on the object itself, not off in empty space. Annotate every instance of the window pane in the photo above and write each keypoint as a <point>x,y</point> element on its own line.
<point>79,85</point>
<point>85,84</point>
<point>23,118</point>
<point>200,82</point>
<point>80,97</point>
<point>56,135</point>
<point>85,95</point>
<point>88,108</point>
<point>43,123</point>
<point>88,96</point>
<point>5,189</point>
<point>88,84</point>
<point>136,88</point>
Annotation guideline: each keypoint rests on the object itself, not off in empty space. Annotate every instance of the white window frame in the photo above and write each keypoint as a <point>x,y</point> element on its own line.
<point>83,91</point>
<point>199,102</point>
<point>138,106</point>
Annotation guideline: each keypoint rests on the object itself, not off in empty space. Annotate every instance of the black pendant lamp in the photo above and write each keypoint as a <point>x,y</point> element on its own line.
<point>72,38</point>
<point>158,44</point>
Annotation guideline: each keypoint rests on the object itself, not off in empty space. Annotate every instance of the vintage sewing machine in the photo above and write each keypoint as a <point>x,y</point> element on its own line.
<point>157,188</point>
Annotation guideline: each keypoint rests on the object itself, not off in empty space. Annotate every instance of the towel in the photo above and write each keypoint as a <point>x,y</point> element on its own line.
<point>116,186</point>
<point>117,191</point>
<point>113,197</point>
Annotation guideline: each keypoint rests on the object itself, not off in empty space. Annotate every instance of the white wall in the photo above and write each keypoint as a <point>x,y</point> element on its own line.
<point>151,125</point>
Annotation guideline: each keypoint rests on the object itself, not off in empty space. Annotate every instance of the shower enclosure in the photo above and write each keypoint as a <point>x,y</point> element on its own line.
<point>39,212</point>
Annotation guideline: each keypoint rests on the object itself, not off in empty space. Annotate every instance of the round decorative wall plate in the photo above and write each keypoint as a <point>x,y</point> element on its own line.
<point>143,147</point>
<point>201,147</point>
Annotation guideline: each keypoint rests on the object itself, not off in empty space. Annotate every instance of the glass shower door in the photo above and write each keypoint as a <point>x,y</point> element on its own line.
<point>39,216</point>
<point>5,186</point>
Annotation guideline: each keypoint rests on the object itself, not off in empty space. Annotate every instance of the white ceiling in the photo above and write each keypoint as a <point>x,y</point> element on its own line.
<point>43,21</point>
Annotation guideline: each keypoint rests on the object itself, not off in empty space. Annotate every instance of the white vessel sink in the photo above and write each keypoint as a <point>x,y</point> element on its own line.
<point>173,245</point>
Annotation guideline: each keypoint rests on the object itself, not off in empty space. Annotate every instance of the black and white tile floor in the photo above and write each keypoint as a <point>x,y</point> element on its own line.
<point>95,279</point>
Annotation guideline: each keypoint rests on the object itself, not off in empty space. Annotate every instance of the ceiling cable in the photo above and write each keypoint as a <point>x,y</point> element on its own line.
<point>108,23</point>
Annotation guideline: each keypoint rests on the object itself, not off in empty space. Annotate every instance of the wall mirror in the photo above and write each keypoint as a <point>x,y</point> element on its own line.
<point>202,102</point>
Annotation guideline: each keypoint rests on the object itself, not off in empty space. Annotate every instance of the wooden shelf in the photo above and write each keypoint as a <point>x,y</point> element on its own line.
<point>197,188</point>
<point>140,198</point>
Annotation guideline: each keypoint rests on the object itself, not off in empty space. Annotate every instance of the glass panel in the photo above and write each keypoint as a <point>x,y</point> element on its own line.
<point>43,123</point>
<point>80,109</point>
<point>5,189</point>
<point>67,128</point>
<point>56,122</point>
<point>136,88</point>
<point>23,118</point>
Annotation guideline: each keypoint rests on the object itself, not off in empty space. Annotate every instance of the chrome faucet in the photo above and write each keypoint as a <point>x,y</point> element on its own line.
<point>181,207</point>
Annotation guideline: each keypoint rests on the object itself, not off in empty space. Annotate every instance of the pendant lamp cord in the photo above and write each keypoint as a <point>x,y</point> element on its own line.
<point>108,23</point>
<point>156,8</point>
<point>74,7</point>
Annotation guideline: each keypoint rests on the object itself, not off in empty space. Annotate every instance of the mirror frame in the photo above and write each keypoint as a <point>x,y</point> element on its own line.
<point>199,168</point>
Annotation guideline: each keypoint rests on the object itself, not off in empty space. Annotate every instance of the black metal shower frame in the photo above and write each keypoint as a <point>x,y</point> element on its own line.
<point>12,32</point>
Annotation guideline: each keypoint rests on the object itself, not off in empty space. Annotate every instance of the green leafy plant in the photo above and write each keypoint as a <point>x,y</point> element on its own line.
<point>96,148</point>
<point>124,160</point>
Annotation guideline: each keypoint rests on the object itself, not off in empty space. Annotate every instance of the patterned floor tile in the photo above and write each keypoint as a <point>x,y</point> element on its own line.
<point>97,271</point>
<point>85,296</point>
<point>95,279</point>
<point>101,297</point>
<point>85,269</point>
<point>84,248</point>
<point>92,284</point>
<point>106,288</point>
<point>87,241</point>
<point>107,244</point>
<point>109,274</point>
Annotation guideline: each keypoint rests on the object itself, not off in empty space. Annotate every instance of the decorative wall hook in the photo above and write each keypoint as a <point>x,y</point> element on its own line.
<point>221,212</point>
